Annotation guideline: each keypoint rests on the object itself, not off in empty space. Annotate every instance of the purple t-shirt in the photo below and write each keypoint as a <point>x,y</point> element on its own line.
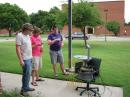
<point>57,45</point>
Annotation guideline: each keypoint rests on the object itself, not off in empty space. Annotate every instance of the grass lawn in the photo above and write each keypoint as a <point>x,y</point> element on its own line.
<point>13,93</point>
<point>115,67</point>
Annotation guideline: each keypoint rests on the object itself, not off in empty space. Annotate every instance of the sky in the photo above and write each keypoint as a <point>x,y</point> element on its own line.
<point>34,5</point>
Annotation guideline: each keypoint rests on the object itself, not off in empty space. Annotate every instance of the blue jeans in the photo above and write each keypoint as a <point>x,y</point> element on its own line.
<point>27,69</point>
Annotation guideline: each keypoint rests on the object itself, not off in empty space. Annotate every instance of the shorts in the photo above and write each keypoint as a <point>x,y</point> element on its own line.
<point>37,62</point>
<point>56,57</point>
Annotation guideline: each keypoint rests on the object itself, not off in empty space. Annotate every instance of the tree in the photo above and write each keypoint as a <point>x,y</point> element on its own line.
<point>127,23</point>
<point>59,17</point>
<point>12,17</point>
<point>85,14</point>
<point>54,13</point>
<point>113,26</point>
<point>54,10</point>
<point>45,20</point>
<point>41,19</point>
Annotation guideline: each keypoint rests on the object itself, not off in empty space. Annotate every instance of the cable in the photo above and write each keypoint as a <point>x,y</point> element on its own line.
<point>104,87</point>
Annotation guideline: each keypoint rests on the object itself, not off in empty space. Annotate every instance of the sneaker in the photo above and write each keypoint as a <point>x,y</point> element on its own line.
<point>31,89</point>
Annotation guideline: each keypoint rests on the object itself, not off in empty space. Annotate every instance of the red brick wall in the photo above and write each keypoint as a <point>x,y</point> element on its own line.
<point>4,31</point>
<point>115,13</point>
<point>74,29</point>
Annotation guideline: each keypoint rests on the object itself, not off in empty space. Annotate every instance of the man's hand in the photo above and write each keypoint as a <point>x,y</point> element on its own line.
<point>62,44</point>
<point>50,42</point>
<point>22,63</point>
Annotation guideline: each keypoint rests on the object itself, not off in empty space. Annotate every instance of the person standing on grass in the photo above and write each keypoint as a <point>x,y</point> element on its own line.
<point>24,53</point>
<point>55,41</point>
<point>37,54</point>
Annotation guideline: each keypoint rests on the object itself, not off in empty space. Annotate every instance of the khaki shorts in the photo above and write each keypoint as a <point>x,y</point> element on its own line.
<point>56,57</point>
<point>37,62</point>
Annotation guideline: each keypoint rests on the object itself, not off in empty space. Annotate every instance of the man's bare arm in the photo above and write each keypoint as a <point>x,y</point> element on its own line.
<point>19,54</point>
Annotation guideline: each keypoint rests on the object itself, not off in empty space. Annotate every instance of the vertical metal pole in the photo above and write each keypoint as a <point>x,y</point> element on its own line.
<point>88,47</point>
<point>69,33</point>
<point>0,87</point>
<point>106,10</point>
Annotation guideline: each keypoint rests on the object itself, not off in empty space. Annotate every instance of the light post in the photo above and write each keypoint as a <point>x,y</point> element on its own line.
<point>70,31</point>
<point>106,13</point>
<point>0,87</point>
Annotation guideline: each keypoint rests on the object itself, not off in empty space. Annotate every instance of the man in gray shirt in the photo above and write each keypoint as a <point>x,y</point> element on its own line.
<point>24,53</point>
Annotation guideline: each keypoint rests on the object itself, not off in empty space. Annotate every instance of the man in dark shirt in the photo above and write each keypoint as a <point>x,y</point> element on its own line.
<point>55,41</point>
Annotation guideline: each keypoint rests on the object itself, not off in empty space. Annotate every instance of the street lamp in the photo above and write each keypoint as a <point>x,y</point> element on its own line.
<point>70,31</point>
<point>69,69</point>
<point>106,13</point>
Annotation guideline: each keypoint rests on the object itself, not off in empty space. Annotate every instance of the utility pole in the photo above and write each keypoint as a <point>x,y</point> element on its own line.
<point>69,33</point>
<point>106,12</point>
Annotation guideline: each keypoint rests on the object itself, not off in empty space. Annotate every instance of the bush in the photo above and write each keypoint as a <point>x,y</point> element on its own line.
<point>114,27</point>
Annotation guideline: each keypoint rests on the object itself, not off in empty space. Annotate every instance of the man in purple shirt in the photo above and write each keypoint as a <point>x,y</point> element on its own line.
<point>55,41</point>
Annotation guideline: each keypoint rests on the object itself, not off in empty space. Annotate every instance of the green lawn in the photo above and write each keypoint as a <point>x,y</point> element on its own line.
<point>13,93</point>
<point>115,67</point>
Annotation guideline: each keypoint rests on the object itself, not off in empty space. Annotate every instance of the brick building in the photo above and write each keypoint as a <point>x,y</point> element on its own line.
<point>110,11</point>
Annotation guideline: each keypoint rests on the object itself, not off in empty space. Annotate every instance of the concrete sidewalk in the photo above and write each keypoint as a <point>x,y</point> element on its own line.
<point>56,88</point>
<point>92,38</point>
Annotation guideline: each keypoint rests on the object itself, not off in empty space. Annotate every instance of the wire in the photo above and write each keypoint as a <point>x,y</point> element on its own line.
<point>105,87</point>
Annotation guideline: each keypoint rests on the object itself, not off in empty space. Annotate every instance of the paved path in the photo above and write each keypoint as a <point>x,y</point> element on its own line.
<point>92,38</point>
<point>56,88</point>
<point>6,39</point>
<point>108,38</point>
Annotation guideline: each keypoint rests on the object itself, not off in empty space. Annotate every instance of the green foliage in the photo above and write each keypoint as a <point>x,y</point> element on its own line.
<point>13,93</point>
<point>54,10</point>
<point>45,20</point>
<point>113,26</point>
<point>53,13</point>
<point>60,19</point>
<point>41,19</point>
<point>12,17</point>
<point>128,23</point>
<point>85,14</point>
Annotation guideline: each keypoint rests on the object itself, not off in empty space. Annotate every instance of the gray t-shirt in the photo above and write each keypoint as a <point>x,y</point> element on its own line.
<point>25,45</point>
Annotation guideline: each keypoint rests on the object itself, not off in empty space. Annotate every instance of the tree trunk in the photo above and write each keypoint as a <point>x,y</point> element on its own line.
<point>10,34</point>
<point>85,41</point>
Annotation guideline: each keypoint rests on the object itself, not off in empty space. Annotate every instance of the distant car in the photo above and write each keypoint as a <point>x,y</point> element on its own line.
<point>77,35</point>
